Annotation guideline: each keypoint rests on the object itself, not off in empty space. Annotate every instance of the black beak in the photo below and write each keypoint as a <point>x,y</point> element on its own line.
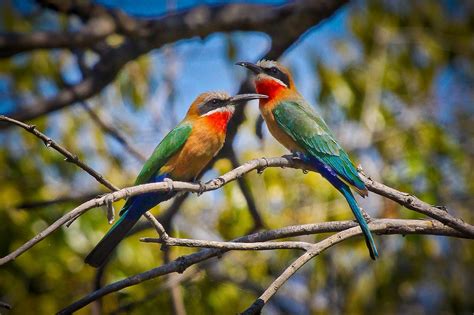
<point>252,67</point>
<point>242,98</point>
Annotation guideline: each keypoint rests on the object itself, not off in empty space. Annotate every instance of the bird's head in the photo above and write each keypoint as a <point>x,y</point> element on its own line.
<point>271,77</point>
<point>218,107</point>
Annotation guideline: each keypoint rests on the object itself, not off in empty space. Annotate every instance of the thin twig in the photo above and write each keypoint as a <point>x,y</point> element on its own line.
<point>34,205</point>
<point>69,156</point>
<point>113,132</point>
<point>157,225</point>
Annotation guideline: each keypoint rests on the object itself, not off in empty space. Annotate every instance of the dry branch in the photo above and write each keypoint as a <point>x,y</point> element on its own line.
<point>256,164</point>
<point>171,241</point>
<point>70,157</point>
<point>454,226</point>
<point>379,226</point>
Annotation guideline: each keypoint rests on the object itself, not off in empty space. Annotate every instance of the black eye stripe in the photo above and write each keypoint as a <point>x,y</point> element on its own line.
<point>278,74</point>
<point>211,105</point>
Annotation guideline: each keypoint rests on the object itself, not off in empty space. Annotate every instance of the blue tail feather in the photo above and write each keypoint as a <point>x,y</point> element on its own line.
<point>332,177</point>
<point>134,208</point>
<point>345,190</point>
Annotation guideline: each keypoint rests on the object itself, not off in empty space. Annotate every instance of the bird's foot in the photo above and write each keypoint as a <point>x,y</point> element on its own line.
<point>361,171</point>
<point>202,188</point>
<point>170,183</point>
<point>262,168</point>
<point>109,206</point>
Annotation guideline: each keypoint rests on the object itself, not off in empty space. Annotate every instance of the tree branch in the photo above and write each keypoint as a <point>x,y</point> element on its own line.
<point>143,36</point>
<point>72,158</point>
<point>256,164</point>
<point>313,251</point>
<point>412,202</point>
<point>94,31</point>
<point>380,226</point>
<point>30,205</point>
<point>103,73</point>
<point>456,226</point>
<point>171,241</point>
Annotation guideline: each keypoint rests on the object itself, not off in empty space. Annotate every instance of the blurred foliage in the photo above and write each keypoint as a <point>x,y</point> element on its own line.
<point>400,98</point>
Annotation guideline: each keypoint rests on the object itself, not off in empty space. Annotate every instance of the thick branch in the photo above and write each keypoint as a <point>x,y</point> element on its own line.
<point>144,36</point>
<point>101,75</point>
<point>382,226</point>
<point>95,30</point>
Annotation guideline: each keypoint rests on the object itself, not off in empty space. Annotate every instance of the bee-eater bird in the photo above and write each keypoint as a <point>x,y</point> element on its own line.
<point>298,127</point>
<point>181,156</point>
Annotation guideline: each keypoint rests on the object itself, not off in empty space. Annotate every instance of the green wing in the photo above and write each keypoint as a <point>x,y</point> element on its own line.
<point>309,130</point>
<point>172,142</point>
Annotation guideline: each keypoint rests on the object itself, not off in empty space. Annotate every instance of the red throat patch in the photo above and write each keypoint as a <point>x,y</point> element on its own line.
<point>268,87</point>
<point>219,120</point>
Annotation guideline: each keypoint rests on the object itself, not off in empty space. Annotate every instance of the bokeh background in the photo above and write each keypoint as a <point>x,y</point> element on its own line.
<point>393,79</point>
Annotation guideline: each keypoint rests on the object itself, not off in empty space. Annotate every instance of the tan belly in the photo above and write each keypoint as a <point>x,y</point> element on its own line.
<point>277,132</point>
<point>203,144</point>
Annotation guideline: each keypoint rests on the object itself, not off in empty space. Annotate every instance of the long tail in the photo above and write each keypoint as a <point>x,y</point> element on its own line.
<point>340,185</point>
<point>107,244</point>
<point>345,190</point>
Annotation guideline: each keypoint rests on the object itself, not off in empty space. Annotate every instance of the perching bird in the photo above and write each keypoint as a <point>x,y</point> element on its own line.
<point>181,156</point>
<point>297,126</point>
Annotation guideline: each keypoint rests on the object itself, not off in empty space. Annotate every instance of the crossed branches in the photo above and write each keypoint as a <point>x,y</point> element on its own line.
<point>443,224</point>
<point>141,36</point>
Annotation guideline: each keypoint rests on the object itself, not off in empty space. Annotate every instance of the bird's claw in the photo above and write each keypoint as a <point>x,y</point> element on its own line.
<point>109,205</point>
<point>170,183</point>
<point>202,188</point>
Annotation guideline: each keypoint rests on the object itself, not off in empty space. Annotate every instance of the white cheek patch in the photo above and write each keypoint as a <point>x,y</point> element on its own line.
<point>225,109</point>
<point>264,77</point>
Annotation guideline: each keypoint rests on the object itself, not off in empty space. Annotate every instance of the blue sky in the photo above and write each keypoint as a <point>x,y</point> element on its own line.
<point>203,65</point>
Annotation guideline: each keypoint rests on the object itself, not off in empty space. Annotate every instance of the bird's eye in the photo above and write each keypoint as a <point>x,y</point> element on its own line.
<point>215,101</point>
<point>274,70</point>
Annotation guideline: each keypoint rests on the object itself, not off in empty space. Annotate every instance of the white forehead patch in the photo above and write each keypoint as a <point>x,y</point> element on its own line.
<point>218,95</point>
<point>266,64</point>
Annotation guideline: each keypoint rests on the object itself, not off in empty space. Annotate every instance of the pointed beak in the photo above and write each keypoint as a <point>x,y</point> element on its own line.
<point>242,98</point>
<point>251,66</point>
